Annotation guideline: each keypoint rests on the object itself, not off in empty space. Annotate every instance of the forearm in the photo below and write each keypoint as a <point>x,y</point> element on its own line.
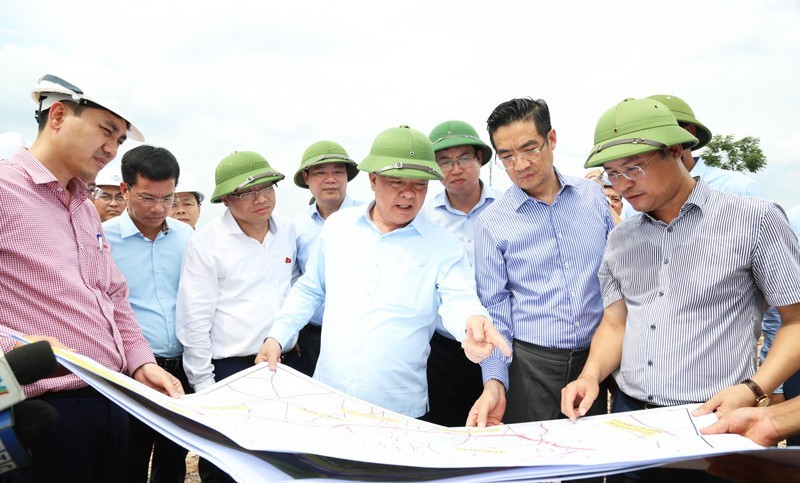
<point>605,352</point>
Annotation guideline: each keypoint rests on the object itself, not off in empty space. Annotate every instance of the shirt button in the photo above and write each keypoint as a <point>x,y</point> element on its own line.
<point>660,294</point>
<point>649,398</point>
<point>669,229</point>
<point>666,261</point>
<point>566,265</point>
<point>650,363</point>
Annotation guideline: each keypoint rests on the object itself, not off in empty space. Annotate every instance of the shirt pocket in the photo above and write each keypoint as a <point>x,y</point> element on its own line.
<point>405,287</point>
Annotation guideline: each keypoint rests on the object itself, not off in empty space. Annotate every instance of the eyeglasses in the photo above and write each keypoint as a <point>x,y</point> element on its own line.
<point>448,164</point>
<point>510,161</point>
<point>108,197</point>
<point>631,173</point>
<point>149,201</point>
<point>252,195</point>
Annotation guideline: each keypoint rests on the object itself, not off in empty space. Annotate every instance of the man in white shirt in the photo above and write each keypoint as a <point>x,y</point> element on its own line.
<point>236,273</point>
<point>384,274</point>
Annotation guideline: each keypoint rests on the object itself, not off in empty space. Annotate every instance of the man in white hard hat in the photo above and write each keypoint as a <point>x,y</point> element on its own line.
<point>58,281</point>
<point>187,201</point>
<point>107,196</point>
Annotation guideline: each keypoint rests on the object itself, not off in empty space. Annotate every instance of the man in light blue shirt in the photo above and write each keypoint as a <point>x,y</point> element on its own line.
<point>454,383</point>
<point>537,252</point>
<point>148,247</point>
<point>384,274</point>
<point>325,170</point>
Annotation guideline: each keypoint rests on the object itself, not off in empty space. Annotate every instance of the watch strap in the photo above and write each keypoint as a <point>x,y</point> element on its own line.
<point>761,397</point>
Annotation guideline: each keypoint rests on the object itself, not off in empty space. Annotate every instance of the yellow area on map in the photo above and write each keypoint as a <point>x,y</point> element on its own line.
<point>633,428</point>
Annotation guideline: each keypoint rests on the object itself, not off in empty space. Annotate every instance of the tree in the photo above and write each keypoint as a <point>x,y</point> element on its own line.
<point>742,155</point>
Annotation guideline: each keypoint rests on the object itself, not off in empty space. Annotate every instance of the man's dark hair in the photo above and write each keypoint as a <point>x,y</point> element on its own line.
<point>523,109</point>
<point>157,164</point>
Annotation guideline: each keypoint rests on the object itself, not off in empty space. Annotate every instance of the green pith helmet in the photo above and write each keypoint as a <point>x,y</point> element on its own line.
<point>324,152</point>
<point>241,170</point>
<point>635,126</point>
<point>450,134</point>
<point>404,153</point>
<point>685,115</point>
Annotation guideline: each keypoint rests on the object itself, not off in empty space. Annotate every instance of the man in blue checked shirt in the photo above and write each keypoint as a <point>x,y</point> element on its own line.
<point>537,252</point>
<point>148,247</point>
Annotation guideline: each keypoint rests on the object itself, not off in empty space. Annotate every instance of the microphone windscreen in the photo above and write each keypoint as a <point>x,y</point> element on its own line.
<point>32,362</point>
<point>33,421</point>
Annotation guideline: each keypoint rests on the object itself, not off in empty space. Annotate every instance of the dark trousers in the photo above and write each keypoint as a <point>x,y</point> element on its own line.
<point>89,444</point>
<point>624,403</point>
<point>309,341</point>
<point>223,368</point>
<point>536,377</point>
<point>169,459</point>
<point>454,383</point>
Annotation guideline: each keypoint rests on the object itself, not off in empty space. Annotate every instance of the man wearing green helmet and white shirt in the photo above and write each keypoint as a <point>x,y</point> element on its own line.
<point>454,383</point>
<point>684,282</point>
<point>384,273</point>
<point>226,304</point>
<point>325,169</point>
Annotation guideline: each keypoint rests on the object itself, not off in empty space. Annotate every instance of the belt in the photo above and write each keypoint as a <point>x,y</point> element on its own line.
<point>635,402</point>
<point>313,328</point>
<point>169,363</point>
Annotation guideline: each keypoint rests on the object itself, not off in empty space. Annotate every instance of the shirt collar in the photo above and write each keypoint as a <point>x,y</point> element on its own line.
<point>442,201</point>
<point>128,228</point>
<point>698,198</point>
<point>519,197</point>
<point>314,212</point>
<point>419,223</point>
<point>39,174</point>
<point>229,222</point>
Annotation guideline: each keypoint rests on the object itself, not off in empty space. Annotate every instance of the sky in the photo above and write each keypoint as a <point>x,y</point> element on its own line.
<point>205,79</point>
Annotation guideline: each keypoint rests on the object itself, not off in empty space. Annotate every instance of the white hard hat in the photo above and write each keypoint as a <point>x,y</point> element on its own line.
<point>104,91</point>
<point>188,184</point>
<point>10,142</point>
<point>109,176</point>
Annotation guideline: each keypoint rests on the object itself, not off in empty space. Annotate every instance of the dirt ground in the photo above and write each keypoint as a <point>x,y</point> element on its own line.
<point>191,469</point>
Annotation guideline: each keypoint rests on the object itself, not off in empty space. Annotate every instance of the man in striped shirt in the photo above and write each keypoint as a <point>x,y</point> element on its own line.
<point>537,252</point>
<point>684,282</point>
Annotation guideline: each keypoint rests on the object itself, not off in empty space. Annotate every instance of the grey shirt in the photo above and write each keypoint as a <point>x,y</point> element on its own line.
<point>694,291</point>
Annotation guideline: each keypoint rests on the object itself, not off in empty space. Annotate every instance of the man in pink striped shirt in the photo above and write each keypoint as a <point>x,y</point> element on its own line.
<point>58,281</point>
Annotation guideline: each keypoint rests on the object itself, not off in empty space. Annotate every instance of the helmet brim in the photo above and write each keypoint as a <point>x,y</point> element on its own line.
<point>669,135</point>
<point>351,166</point>
<point>229,185</point>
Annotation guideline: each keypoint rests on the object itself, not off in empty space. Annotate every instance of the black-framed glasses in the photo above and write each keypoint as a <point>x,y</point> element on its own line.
<point>150,201</point>
<point>448,164</point>
<point>252,195</point>
<point>631,173</point>
<point>510,161</point>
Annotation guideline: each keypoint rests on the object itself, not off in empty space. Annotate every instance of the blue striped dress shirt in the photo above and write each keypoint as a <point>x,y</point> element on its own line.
<point>695,291</point>
<point>536,267</point>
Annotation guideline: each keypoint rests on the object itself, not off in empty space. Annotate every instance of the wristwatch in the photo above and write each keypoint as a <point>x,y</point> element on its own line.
<point>762,400</point>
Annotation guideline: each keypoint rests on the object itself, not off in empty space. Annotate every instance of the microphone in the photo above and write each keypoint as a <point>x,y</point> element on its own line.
<point>24,365</point>
<point>33,419</point>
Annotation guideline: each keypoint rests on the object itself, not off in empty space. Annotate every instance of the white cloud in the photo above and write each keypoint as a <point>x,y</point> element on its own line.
<point>209,78</point>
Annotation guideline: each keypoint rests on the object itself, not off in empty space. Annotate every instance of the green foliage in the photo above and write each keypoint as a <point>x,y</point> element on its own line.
<point>742,155</point>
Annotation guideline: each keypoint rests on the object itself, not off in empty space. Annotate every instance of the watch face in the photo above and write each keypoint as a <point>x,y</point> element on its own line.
<point>762,401</point>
